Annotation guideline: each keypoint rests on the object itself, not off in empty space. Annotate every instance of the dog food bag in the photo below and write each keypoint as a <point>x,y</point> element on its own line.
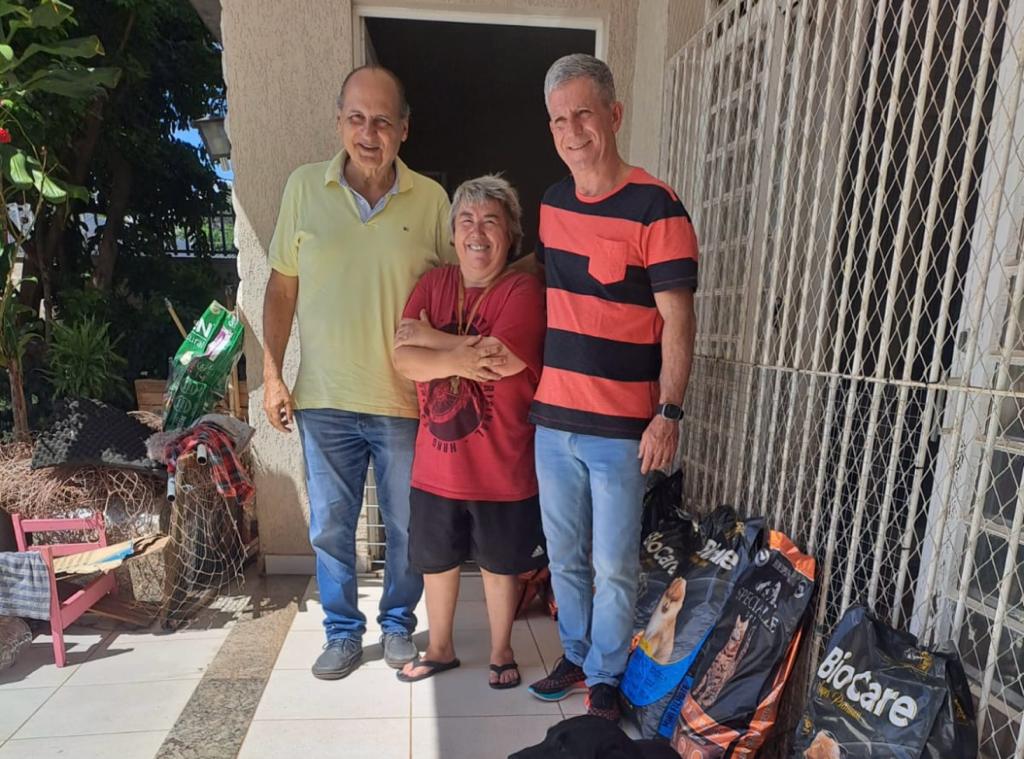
<point>669,539</point>
<point>740,674</point>
<point>877,694</point>
<point>201,368</point>
<point>685,611</point>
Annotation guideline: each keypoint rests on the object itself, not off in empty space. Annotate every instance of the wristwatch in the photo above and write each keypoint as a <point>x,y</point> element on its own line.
<point>669,411</point>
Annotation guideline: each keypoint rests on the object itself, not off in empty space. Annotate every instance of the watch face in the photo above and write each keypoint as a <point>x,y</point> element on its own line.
<point>670,411</point>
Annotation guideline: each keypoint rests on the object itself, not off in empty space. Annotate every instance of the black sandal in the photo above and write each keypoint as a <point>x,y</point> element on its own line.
<point>498,669</point>
<point>433,668</point>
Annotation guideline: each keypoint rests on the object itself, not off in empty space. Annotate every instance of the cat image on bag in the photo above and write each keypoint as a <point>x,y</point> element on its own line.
<point>660,635</point>
<point>824,746</point>
<point>724,665</point>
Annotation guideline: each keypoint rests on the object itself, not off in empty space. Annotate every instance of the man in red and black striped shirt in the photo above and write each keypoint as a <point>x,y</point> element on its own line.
<point>620,261</point>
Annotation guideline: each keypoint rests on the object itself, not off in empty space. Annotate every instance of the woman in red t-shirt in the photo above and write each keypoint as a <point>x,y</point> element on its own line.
<point>472,340</point>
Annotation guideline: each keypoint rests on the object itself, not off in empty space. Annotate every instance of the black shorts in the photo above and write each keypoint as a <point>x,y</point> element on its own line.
<point>503,537</point>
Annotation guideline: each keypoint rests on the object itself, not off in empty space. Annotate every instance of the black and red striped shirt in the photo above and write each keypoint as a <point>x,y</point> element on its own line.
<point>604,258</point>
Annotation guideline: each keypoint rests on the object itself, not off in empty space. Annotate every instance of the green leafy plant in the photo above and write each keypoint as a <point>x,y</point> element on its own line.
<point>38,62</point>
<point>84,362</point>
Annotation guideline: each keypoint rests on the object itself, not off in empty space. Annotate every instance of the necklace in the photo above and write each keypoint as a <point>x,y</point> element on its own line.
<point>463,328</point>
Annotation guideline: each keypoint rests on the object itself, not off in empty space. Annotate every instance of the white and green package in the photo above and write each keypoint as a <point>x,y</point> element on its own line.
<point>201,368</point>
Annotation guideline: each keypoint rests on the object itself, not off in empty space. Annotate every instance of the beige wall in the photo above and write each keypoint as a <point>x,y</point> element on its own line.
<point>283,64</point>
<point>685,17</point>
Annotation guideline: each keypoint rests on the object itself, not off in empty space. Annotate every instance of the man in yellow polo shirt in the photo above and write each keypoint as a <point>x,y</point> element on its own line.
<point>353,236</point>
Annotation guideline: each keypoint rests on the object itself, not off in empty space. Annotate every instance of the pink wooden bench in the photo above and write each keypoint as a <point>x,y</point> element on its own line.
<point>64,613</point>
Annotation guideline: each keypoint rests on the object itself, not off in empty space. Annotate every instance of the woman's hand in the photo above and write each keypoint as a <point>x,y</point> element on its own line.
<point>415,332</point>
<point>477,358</point>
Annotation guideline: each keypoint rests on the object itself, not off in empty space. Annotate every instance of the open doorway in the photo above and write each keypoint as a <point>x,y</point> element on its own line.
<point>476,92</point>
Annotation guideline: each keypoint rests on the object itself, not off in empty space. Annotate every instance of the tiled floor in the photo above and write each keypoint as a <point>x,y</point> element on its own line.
<point>124,693</point>
<point>119,695</point>
<point>371,714</point>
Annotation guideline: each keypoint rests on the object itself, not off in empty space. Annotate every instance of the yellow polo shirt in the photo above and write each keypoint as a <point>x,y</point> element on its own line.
<point>354,280</point>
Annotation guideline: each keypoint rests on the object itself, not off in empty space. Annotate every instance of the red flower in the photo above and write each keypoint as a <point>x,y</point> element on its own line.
<point>5,136</point>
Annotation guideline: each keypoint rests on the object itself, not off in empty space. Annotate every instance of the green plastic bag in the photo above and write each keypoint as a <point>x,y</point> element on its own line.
<point>201,368</point>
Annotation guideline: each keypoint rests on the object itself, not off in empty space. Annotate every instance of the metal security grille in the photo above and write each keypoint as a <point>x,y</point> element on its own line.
<point>854,169</point>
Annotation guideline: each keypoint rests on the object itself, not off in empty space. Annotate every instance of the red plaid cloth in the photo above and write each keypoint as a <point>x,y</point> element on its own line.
<point>231,479</point>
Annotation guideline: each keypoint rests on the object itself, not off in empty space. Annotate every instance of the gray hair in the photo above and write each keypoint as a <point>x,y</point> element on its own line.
<point>403,105</point>
<point>492,187</point>
<point>580,65</point>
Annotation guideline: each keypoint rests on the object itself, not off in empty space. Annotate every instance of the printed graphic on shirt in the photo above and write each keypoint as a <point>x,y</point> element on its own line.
<point>455,407</point>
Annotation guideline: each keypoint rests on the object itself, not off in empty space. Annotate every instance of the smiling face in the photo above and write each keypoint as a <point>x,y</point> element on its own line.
<point>370,123</point>
<point>583,125</point>
<point>482,241</point>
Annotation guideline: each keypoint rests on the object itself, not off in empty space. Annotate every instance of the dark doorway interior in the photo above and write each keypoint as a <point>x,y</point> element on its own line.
<point>476,92</point>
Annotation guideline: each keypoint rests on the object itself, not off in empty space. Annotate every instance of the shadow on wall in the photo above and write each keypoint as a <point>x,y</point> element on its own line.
<point>277,459</point>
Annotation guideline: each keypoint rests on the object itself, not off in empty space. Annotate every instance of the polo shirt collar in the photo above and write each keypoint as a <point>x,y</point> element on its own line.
<point>333,173</point>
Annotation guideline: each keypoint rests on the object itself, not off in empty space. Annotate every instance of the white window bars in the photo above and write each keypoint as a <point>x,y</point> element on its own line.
<point>854,169</point>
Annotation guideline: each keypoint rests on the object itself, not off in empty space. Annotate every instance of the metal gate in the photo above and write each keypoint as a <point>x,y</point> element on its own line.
<point>853,169</point>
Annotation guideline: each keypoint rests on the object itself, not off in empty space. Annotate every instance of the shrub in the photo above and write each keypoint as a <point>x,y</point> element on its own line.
<point>84,362</point>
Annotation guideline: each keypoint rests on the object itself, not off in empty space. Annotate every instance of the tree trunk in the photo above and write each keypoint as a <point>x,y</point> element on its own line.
<point>103,274</point>
<point>21,432</point>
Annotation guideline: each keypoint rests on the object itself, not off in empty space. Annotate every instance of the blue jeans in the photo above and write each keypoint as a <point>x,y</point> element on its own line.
<point>337,446</point>
<point>591,499</point>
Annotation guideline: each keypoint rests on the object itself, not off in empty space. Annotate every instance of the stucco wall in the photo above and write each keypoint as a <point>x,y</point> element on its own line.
<point>685,18</point>
<point>283,64</point>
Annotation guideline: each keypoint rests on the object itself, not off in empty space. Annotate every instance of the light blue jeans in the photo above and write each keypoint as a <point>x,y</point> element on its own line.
<point>337,446</point>
<point>591,499</point>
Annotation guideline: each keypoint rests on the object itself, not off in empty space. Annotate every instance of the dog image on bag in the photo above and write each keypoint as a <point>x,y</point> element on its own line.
<point>824,746</point>
<point>724,665</point>
<point>660,635</point>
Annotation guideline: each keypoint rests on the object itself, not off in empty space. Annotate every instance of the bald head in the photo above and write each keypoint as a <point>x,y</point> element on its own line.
<point>382,80</point>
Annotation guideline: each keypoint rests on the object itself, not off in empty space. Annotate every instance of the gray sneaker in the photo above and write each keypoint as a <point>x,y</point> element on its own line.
<point>399,649</point>
<point>338,659</point>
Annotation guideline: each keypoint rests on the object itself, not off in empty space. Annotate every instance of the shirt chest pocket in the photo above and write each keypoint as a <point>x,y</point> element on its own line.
<point>607,263</point>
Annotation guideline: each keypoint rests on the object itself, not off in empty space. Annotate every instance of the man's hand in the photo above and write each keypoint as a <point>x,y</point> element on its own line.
<point>477,360</point>
<point>414,332</point>
<point>278,404</point>
<point>658,444</point>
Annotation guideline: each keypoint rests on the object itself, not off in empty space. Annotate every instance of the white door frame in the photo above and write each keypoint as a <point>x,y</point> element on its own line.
<point>361,11</point>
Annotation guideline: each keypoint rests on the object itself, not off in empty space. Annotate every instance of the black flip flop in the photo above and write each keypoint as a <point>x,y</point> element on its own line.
<point>498,669</point>
<point>433,667</point>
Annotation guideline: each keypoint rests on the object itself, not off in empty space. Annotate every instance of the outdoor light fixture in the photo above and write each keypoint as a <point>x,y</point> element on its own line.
<point>215,138</point>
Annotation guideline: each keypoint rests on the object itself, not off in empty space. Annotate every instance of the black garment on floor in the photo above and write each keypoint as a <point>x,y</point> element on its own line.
<point>589,737</point>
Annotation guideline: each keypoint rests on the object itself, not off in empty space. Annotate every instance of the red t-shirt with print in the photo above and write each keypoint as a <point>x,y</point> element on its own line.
<point>475,444</point>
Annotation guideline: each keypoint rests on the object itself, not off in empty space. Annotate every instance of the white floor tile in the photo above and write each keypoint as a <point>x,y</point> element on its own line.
<point>109,708</point>
<point>310,618</point>
<point>470,615</point>
<point>34,667</point>
<point>16,706</point>
<point>464,692</point>
<point>126,662</point>
<point>366,693</point>
<point>471,588</point>
<point>124,745</point>
<point>473,647</point>
<point>327,739</point>
<point>476,737</point>
<point>575,704</point>
<point>545,632</point>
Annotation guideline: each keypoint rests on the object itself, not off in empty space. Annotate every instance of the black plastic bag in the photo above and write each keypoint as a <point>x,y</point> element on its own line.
<point>877,694</point>
<point>663,503</point>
